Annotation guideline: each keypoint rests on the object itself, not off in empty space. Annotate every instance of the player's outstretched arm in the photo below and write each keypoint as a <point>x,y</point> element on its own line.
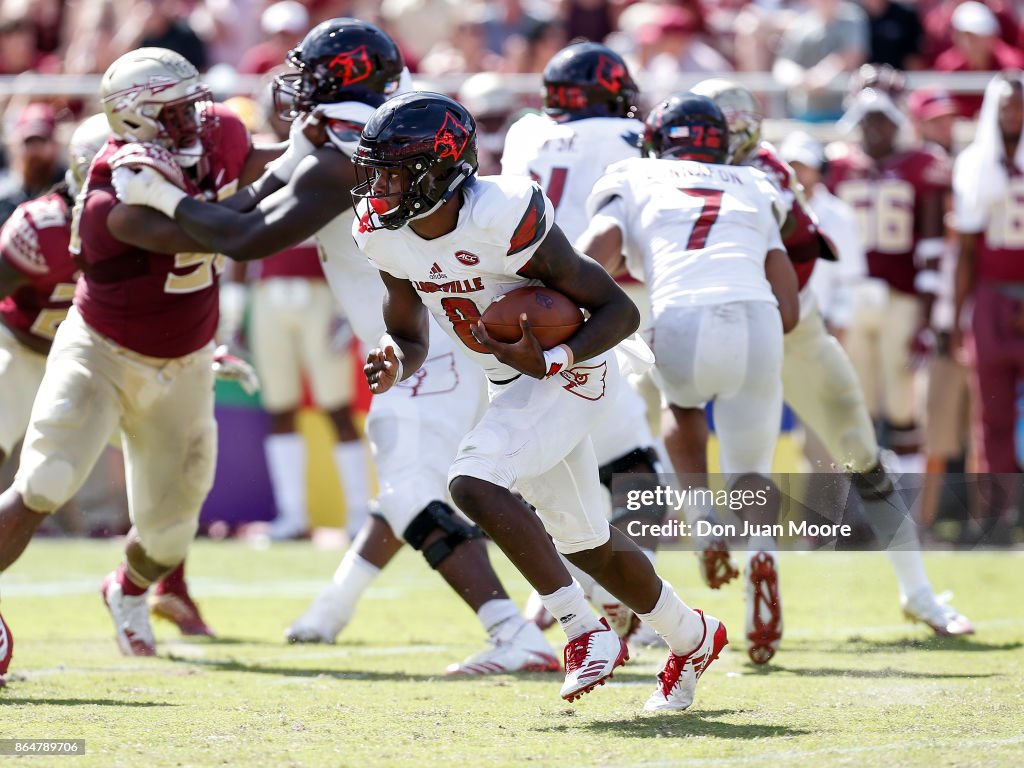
<point>613,315</point>
<point>779,270</point>
<point>404,348</point>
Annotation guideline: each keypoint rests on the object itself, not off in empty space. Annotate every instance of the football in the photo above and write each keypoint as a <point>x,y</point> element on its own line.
<point>553,317</point>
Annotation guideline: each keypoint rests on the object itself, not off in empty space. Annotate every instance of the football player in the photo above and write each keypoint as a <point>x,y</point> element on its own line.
<point>899,197</point>
<point>589,122</point>
<point>448,243</point>
<point>37,283</point>
<point>819,382</point>
<point>988,198</point>
<point>705,240</point>
<point>345,68</point>
<point>135,353</point>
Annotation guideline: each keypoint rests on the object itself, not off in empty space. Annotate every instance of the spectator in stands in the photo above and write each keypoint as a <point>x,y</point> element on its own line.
<point>166,26</point>
<point>18,50</point>
<point>587,19</point>
<point>670,44</point>
<point>465,50</point>
<point>284,23</point>
<point>758,30</point>
<point>531,50</point>
<point>934,113</point>
<point>35,158</point>
<point>422,24</point>
<point>895,33</point>
<point>937,16</point>
<point>507,20</point>
<point>976,48</point>
<point>827,40</point>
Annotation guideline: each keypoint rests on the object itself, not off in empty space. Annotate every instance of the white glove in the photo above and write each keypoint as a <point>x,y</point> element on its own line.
<point>146,186</point>
<point>299,146</point>
<point>227,367</point>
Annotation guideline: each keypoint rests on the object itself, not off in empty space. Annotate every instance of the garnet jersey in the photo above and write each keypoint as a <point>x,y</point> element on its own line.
<point>501,224</point>
<point>567,159</point>
<point>160,305</point>
<point>696,233</point>
<point>886,195</point>
<point>1000,255</point>
<point>801,243</point>
<point>34,241</point>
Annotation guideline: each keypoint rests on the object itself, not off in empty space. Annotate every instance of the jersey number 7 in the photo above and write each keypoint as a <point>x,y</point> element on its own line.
<point>712,205</point>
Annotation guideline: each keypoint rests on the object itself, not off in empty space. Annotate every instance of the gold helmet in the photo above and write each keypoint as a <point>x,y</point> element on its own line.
<point>742,112</point>
<point>87,140</point>
<point>154,95</point>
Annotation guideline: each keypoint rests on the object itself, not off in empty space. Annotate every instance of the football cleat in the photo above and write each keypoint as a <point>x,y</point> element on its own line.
<point>590,659</point>
<point>525,650</point>
<point>323,620</point>
<point>537,613</point>
<point>131,619</point>
<point>934,611</point>
<point>764,608</point>
<point>715,562</point>
<point>6,649</point>
<point>677,680</point>
<point>176,606</point>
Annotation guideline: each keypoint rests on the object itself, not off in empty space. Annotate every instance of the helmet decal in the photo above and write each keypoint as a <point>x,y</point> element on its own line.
<point>451,138</point>
<point>351,67</point>
<point>609,73</point>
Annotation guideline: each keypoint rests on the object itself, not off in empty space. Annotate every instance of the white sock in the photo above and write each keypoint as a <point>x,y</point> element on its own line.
<point>908,463</point>
<point>495,613</point>
<point>895,529</point>
<point>675,622</point>
<point>286,461</point>
<point>910,573</point>
<point>585,580</point>
<point>350,460</point>
<point>353,577</point>
<point>569,607</point>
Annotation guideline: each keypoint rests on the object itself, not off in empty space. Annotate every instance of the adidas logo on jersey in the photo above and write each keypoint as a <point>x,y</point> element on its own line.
<point>436,273</point>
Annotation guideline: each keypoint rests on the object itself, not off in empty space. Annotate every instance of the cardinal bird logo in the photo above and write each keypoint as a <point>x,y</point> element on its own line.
<point>351,67</point>
<point>610,73</point>
<point>451,138</point>
<point>586,381</point>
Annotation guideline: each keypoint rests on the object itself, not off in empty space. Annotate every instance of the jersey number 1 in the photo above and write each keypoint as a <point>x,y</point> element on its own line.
<point>709,211</point>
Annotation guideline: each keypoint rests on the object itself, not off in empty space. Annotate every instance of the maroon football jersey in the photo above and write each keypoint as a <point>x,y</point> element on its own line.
<point>1001,247</point>
<point>34,241</point>
<point>302,260</point>
<point>160,305</point>
<point>886,197</point>
<point>802,242</point>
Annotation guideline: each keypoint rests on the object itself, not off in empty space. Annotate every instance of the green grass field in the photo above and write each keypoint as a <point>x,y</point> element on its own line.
<point>852,686</point>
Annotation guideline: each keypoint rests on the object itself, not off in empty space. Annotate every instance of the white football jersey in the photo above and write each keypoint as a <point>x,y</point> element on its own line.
<point>502,222</point>
<point>695,233</point>
<point>567,159</point>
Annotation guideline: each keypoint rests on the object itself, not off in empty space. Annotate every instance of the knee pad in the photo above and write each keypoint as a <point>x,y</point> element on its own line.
<point>639,460</point>
<point>438,516</point>
<point>873,485</point>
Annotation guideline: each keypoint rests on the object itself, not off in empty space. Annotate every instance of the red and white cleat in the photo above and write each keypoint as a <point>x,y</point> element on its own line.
<point>176,606</point>
<point>764,608</point>
<point>6,649</point>
<point>717,567</point>
<point>934,611</point>
<point>526,650</point>
<point>132,631</point>
<point>677,681</point>
<point>590,659</point>
<point>537,613</point>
